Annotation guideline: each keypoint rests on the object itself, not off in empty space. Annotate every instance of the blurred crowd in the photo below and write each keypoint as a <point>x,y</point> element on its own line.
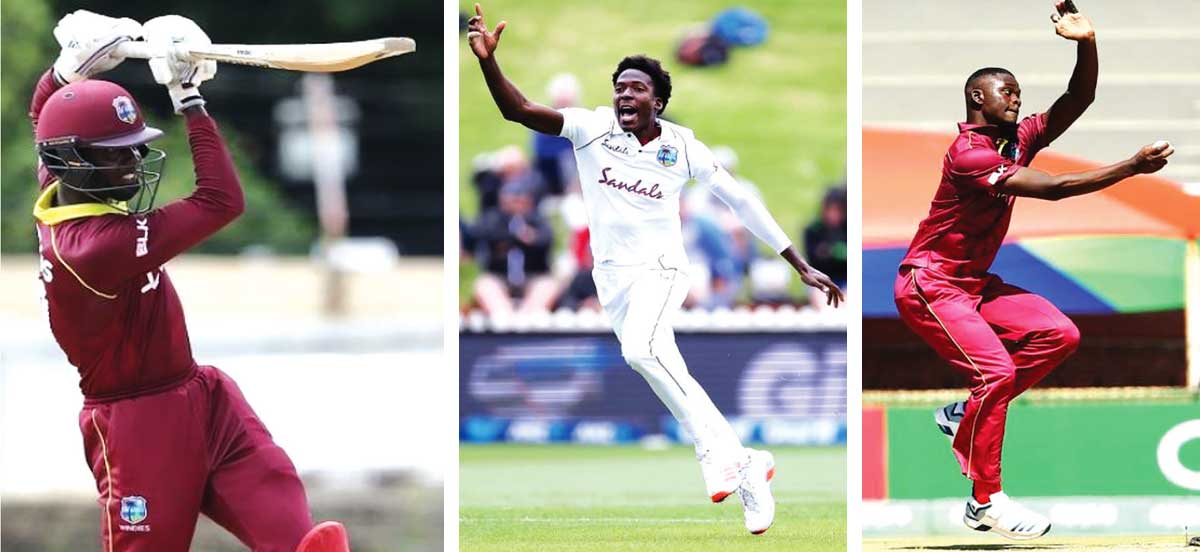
<point>528,203</point>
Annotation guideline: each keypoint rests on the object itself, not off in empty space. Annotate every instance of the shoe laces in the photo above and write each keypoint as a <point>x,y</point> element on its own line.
<point>748,500</point>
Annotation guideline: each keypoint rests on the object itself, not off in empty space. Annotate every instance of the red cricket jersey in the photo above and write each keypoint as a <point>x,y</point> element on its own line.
<point>111,305</point>
<point>968,218</point>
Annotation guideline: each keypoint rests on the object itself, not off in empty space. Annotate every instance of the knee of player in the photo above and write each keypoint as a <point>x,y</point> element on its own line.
<point>1001,380</point>
<point>1067,334</point>
<point>637,352</point>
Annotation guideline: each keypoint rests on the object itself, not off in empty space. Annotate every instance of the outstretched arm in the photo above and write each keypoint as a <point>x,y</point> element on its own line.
<point>1081,89</point>
<point>755,217</point>
<point>1029,182</point>
<point>513,105</point>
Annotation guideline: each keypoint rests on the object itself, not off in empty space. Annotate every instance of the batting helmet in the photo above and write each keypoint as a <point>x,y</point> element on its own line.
<point>91,135</point>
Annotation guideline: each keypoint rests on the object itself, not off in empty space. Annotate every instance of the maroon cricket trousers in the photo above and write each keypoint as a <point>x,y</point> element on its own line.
<point>1005,339</point>
<point>162,459</point>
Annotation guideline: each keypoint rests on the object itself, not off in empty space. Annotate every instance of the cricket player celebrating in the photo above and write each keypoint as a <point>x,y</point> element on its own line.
<point>632,167</point>
<point>1005,339</point>
<point>166,439</point>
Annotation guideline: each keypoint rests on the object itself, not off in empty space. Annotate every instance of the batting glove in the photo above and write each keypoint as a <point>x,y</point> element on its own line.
<point>89,44</point>
<point>181,75</point>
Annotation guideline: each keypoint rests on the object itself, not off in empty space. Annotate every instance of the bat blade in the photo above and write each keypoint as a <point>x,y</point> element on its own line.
<point>318,58</point>
<point>313,58</point>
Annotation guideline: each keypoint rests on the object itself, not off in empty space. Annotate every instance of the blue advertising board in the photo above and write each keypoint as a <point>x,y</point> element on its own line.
<point>776,388</point>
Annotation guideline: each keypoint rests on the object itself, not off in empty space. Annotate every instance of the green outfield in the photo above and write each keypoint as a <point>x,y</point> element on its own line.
<point>993,542</point>
<point>583,498</point>
<point>781,105</point>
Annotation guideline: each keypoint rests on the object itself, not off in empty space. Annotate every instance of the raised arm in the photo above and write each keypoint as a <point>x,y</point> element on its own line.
<point>513,105</point>
<point>217,198</point>
<point>1081,89</point>
<point>1029,182</point>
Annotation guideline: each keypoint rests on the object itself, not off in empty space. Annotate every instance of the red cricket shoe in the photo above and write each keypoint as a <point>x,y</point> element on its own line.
<point>327,536</point>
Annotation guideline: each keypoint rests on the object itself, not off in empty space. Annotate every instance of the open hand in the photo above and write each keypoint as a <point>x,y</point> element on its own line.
<point>1153,157</point>
<point>1072,26</point>
<point>482,42</point>
<point>815,278</point>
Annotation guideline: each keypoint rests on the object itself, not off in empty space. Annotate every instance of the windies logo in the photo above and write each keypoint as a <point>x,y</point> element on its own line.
<point>125,110</point>
<point>668,155</point>
<point>133,509</point>
<point>1008,149</point>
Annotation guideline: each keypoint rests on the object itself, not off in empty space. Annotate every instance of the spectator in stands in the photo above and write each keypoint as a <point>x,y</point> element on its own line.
<point>513,250</point>
<point>716,272</point>
<point>494,170</point>
<point>553,158</point>
<point>825,240</point>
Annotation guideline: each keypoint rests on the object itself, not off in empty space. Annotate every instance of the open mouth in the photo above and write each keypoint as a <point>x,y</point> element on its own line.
<point>626,113</point>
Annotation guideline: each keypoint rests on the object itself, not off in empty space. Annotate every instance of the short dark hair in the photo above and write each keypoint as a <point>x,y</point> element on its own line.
<point>650,66</point>
<point>985,72</point>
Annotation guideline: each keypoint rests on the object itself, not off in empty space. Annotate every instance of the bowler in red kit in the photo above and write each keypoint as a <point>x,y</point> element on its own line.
<point>1004,338</point>
<point>166,439</point>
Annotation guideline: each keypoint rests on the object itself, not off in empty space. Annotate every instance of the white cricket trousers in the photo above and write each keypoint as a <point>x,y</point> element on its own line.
<point>641,301</point>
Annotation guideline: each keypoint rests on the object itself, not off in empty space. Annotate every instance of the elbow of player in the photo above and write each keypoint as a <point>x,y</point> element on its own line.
<point>513,114</point>
<point>235,205</point>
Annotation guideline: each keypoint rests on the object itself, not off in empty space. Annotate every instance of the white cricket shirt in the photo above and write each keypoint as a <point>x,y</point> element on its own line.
<point>632,191</point>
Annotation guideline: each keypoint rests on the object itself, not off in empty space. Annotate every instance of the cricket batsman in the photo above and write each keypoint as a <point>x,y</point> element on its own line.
<point>1004,338</point>
<point>166,439</point>
<point>632,166</point>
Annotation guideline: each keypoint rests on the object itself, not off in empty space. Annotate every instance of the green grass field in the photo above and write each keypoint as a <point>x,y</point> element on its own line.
<point>781,105</point>
<point>584,498</point>
<point>1061,544</point>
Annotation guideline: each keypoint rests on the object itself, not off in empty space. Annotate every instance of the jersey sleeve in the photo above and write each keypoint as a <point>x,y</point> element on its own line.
<point>45,86</point>
<point>133,245</point>
<point>979,169</point>
<point>744,203</point>
<point>1031,132</point>
<point>580,126</point>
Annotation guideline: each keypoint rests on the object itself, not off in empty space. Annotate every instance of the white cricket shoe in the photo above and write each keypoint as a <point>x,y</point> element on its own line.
<point>948,417</point>
<point>1004,516</point>
<point>721,479</point>
<point>755,491</point>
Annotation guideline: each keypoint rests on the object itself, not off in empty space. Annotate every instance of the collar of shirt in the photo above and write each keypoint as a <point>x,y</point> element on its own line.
<point>615,129</point>
<point>45,211</point>
<point>992,131</point>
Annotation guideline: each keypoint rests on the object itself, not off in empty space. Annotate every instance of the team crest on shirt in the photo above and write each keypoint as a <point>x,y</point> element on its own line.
<point>667,156</point>
<point>125,110</point>
<point>1008,149</point>
<point>133,510</point>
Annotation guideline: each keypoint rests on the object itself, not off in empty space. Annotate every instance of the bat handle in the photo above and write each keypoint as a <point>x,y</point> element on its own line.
<point>137,50</point>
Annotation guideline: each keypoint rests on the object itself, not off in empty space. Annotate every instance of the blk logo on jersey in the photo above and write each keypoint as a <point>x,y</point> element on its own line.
<point>668,156</point>
<point>133,510</point>
<point>995,177</point>
<point>143,240</point>
<point>125,110</point>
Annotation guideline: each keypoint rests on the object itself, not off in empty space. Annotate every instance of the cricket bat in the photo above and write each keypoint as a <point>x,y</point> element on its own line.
<point>313,58</point>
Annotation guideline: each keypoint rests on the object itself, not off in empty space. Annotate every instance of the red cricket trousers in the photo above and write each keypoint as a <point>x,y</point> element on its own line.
<point>1004,338</point>
<point>162,459</point>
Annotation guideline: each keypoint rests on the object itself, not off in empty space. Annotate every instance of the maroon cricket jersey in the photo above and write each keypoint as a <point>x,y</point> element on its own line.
<point>111,305</point>
<point>969,218</point>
